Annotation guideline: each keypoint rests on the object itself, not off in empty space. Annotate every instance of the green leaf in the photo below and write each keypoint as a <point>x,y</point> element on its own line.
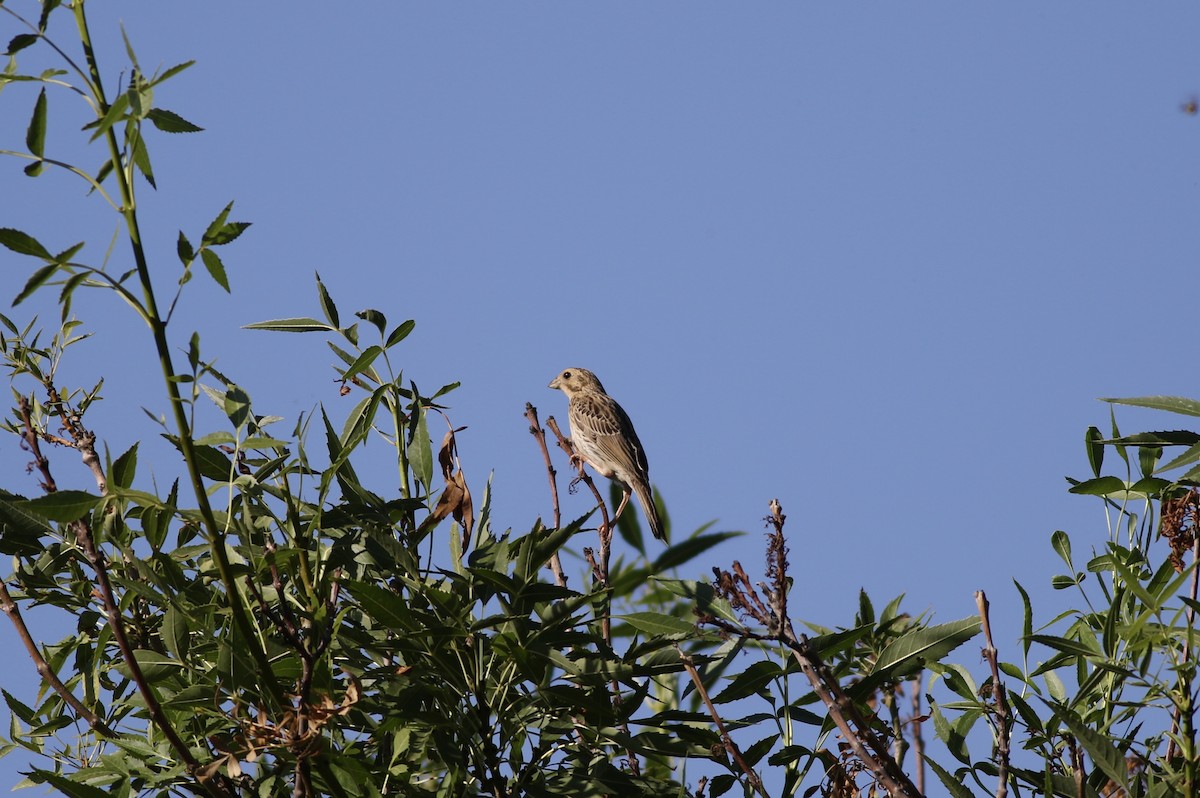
<point>184,249</point>
<point>170,73</point>
<point>122,471</point>
<point>63,505</point>
<point>237,406</point>
<point>911,652</point>
<point>950,736</point>
<point>374,317</point>
<point>400,333</point>
<point>952,783</point>
<point>171,122</point>
<point>327,305</point>
<point>1095,449</point>
<point>1071,647</point>
<point>1062,544</point>
<point>21,532</point>
<point>216,269</point>
<point>291,325</point>
<point>214,227</point>
<point>36,281</point>
<point>1172,404</point>
<point>1102,486</point>
<point>658,623</point>
<point>383,606</point>
<point>141,158</point>
<point>752,681</point>
<point>154,665</point>
<point>114,113</point>
<point>35,134</point>
<point>23,243</point>
<point>20,42</point>
<point>1104,754</point>
<point>72,789</point>
<point>689,549</point>
<point>420,452</point>
<point>363,362</point>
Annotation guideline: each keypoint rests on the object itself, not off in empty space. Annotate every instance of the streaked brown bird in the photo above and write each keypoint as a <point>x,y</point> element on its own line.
<point>605,439</point>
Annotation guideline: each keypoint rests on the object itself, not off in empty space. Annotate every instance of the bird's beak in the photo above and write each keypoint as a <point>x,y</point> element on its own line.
<point>554,383</point>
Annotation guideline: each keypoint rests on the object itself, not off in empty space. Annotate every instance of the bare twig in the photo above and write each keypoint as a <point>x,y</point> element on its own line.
<point>84,440</point>
<point>726,740</point>
<point>918,742</point>
<point>867,746</point>
<point>539,434</point>
<point>1003,717</point>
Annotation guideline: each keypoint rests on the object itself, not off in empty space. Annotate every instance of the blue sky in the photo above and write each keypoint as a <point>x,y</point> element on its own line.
<point>876,260</point>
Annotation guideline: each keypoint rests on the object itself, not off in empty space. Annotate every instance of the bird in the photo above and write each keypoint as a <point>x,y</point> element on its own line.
<point>604,438</point>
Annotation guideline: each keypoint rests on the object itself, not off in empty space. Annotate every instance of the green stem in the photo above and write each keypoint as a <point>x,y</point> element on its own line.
<point>216,536</point>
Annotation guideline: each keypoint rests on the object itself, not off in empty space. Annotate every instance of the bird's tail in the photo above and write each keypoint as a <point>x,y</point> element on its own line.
<point>650,510</point>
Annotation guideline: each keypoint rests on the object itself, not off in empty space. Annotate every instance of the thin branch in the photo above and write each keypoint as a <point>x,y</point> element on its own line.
<point>1003,717</point>
<point>726,740</point>
<point>539,434</point>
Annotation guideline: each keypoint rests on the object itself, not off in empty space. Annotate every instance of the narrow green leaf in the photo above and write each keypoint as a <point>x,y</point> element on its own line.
<point>20,42</point>
<point>383,606</point>
<point>170,73</point>
<point>228,232</point>
<point>291,325</point>
<point>171,122</point>
<point>420,452</point>
<point>658,623</point>
<point>141,158</point>
<point>154,665</point>
<point>64,258</point>
<point>400,333</point>
<point>363,362</point>
<point>1104,754</point>
<point>36,281</point>
<point>1071,647</point>
<point>950,736</point>
<point>115,113</point>
<point>216,269</point>
<point>1172,404</point>
<point>327,305</point>
<point>954,785</point>
<point>64,505</point>
<point>689,549</point>
<point>35,134</point>
<point>23,243</point>
<point>752,681</point>
<point>1027,622</point>
<point>912,651</point>
<point>1095,449</point>
<point>123,469</point>
<point>216,224</point>
<point>1102,486</point>
<point>184,249</point>
<point>72,789</point>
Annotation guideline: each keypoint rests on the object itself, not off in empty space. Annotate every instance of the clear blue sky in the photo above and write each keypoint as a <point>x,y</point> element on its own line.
<point>876,260</point>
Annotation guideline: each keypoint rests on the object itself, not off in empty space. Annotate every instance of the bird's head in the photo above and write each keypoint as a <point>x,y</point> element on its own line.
<point>575,380</point>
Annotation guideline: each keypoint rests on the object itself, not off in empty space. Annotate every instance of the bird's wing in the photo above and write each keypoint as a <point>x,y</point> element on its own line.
<point>601,422</point>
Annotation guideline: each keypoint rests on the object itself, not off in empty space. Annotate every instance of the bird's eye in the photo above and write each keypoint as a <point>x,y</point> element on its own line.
<point>566,375</point>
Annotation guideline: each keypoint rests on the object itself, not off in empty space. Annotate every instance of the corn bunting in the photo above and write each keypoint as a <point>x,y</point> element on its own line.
<point>604,438</point>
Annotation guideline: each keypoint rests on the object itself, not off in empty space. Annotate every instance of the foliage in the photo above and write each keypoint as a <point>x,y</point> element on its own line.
<point>271,623</point>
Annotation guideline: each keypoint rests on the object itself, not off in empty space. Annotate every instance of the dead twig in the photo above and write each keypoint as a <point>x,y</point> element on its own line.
<point>539,434</point>
<point>726,740</point>
<point>1003,717</point>
<point>771,613</point>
